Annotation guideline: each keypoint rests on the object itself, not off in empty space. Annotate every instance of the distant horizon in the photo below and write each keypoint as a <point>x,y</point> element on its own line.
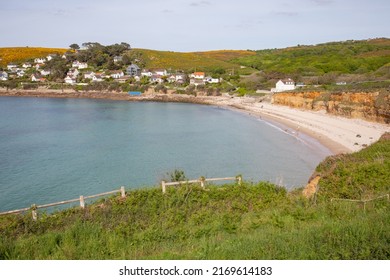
<point>204,50</point>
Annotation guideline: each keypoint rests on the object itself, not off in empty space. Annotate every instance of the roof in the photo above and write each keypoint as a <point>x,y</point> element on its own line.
<point>199,73</point>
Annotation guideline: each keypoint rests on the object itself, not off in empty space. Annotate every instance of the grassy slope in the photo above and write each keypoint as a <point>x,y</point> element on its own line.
<point>253,221</point>
<point>200,61</point>
<point>20,54</point>
<point>353,57</point>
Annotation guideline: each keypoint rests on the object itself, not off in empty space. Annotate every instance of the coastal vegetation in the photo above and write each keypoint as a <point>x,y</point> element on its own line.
<point>248,221</point>
<point>22,54</point>
<point>330,67</point>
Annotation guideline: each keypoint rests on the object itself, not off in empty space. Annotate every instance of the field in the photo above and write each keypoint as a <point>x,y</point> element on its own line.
<point>191,61</point>
<point>249,221</point>
<point>349,57</point>
<point>21,54</point>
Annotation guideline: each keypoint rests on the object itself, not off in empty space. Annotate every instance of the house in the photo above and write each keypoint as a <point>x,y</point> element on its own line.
<point>73,72</point>
<point>197,75</point>
<point>177,78</point>
<point>79,65</point>
<point>197,82</point>
<point>146,73</point>
<point>39,65</point>
<point>211,80</point>
<point>45,72</point>
<point>12,67</point>
<point>26,65</point>
<point>97,78</point>
<point>37,78</point>
<point>50,56</point>
<point>156,79</point>
<point>69,80</point>
<point>284,85</point>
<point>3,76</point>
<point>117,74</point>
<point>133,70</point>
<point>20,72</point>
<point>118,58</point>
<point>83,65</point>
<point>161,72</point>
<point>89,75</point>
<point>40,60</point>
<point>172,79</point>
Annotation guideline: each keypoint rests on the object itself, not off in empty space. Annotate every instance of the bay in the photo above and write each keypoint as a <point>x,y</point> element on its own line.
<point>58,149</point>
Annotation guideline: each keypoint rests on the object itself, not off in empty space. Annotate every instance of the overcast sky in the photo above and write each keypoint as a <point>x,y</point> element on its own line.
<point>191,25</point>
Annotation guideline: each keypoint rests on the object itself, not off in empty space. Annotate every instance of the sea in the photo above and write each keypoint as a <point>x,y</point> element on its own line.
<point>58,149</point>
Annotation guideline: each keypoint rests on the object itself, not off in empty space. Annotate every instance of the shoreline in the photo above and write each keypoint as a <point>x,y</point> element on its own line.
<point>338,134</point>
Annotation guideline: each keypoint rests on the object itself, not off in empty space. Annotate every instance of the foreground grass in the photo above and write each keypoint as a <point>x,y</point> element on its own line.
<point>252,221</point>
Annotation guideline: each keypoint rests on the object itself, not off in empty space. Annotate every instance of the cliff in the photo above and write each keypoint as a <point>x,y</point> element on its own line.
<point>372,106</point>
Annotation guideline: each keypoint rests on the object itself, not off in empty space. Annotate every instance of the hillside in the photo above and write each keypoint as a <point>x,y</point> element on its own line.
<point>21,54</point>
<point>190,61</point>
<point>348,57</point>
<point>251,221</point>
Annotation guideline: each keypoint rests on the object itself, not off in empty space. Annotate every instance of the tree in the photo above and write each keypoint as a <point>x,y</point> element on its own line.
<point>74,46</point>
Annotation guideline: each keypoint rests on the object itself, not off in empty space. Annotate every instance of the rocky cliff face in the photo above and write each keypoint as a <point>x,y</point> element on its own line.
<point>372,106</point>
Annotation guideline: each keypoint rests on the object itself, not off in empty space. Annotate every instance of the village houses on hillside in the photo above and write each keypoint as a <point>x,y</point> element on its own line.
<point>84,73</point>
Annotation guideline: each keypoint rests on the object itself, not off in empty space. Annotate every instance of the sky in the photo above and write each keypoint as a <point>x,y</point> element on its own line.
<point>191,25</point>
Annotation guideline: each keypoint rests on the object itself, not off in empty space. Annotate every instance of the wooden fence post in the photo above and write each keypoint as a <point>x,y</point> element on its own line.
<point>123,192</point>
<point>239,180</point>
<point>163,186</point>
<point>34,212</point>
<point>202,181</point>
<point>82,202</point>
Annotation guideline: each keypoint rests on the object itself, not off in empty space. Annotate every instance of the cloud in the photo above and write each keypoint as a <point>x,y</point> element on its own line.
<point>199,3</point>
<point>322,2</point>
<point>166,11</point>
<point>286,14</point>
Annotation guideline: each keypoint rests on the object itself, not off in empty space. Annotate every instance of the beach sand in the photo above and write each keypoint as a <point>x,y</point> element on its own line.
<point>339,134</point>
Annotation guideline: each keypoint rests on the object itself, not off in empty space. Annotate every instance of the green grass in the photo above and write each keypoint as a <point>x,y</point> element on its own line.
<point>251,221</point>
<point>191,61</point>
<point>353,57</point>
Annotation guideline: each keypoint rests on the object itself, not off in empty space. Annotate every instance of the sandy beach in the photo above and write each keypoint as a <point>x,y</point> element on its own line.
<point>338,134</point>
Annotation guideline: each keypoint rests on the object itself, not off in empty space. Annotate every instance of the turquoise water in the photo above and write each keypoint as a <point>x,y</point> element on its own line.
<point>57,149</point>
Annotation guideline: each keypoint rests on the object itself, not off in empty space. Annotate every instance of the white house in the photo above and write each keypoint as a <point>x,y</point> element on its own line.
<point>20,72</point>
<point>156,79</point>
<point>79,65</point>
<point>172,79</point>
<point>117,74</point>
<point>12,66</point>
<point>73,72</point>
<point>37,78</point>
<point>83,65</point>
<point>40,60</point>
<point>117,58</point>
<point>89,75</point>
<point>3,76</point>
<point>97,78</point>
<point>284,85</point>
<point>211,80</point>
<point>161,72</point>
<point>50,57</point>
<point>197,82</point>
<point>26,65</point>
<point>70,80</point>
<point>146,72</point>
<point>45,72</point>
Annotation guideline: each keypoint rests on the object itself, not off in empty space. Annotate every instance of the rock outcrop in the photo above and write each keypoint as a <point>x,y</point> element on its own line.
<point>371,106</point>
